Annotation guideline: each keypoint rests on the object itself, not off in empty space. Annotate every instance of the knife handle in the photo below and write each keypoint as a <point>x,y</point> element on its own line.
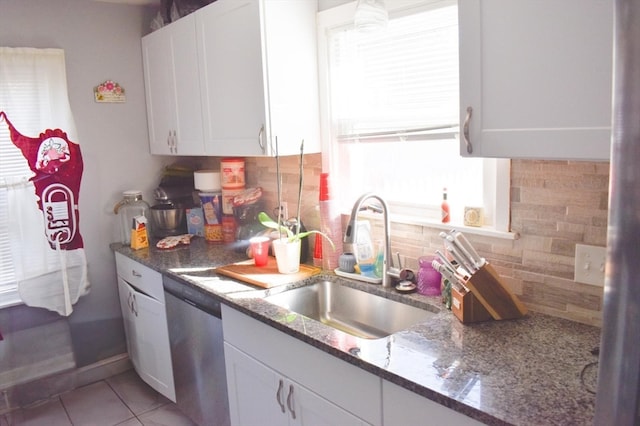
<point>465,244</point>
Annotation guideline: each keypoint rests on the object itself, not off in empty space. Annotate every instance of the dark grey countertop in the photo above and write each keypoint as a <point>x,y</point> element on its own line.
<point>537,370</point>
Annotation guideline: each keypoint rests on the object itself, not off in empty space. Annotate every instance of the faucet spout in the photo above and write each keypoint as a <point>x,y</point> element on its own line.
<point>350,236</point>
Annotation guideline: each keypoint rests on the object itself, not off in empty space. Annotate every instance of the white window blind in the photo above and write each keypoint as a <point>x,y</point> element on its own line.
<point>14,169</point>
<point>399,82</point>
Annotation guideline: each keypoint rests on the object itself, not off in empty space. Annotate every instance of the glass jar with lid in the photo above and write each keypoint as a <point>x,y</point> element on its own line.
<point>130,206</point>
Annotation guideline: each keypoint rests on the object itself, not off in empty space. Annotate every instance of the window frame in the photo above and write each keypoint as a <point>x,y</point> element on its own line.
<point>496,179</point>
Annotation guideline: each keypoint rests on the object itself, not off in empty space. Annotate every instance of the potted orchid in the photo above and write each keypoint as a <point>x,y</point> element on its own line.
<point>287,247</point>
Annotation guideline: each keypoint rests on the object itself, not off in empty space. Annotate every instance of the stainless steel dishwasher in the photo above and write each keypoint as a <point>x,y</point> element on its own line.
<point>197,354</point>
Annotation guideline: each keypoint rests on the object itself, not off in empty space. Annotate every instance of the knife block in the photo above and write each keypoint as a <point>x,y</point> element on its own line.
<point>495,297</point>
<point>467,308</point>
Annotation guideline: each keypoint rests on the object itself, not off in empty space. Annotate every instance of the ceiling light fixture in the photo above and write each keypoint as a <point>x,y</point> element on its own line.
<point>370,16</point>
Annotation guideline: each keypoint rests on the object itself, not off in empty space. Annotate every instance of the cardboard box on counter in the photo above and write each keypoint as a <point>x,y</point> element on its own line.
<point>139,235</point>
<point>195,221</point>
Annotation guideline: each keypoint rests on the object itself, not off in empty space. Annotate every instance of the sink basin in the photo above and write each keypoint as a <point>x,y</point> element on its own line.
<point>353,311</point>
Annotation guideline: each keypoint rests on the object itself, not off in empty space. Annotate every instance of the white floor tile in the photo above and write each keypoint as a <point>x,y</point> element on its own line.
<point>131,422</point>
<point>167,415</point>
<point>135,393</point>
<point>95,405</point>
<point>50,413</point>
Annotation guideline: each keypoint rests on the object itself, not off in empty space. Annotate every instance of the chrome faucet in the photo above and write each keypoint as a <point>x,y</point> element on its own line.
<point>351,238</point>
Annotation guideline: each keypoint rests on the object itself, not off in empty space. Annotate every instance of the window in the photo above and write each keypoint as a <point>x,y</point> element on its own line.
<point>390,115</point>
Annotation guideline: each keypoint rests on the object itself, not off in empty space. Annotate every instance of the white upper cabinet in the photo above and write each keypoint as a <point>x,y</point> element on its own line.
<point>536,78</point>
<point>172,90</point>
<point>229,40</point>
<point>258,72</point>
<point>233,76</point>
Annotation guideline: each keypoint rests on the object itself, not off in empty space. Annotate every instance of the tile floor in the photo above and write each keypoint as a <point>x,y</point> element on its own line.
<point>123,400</point>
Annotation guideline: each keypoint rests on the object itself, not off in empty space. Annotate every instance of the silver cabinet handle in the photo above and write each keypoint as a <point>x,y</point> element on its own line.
<point>279,394</point>
<point>134,304</point>
<point>174,143</point>
<point>290,403</point>
<point>261,138</point>
<point>136,273</point>
<point>465,130</point>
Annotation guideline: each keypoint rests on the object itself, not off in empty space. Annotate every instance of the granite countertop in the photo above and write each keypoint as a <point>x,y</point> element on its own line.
<point>535,370</point>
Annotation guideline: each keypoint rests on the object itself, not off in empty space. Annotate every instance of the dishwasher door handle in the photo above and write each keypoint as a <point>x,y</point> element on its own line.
<point>214,310</point>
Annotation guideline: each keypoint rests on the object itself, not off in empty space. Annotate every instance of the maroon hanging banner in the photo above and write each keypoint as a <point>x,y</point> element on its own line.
<point>57,164</point>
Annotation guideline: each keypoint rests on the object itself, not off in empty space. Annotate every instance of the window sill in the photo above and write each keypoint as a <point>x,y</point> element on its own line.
<point>485,231</point>
<point>10,298</point>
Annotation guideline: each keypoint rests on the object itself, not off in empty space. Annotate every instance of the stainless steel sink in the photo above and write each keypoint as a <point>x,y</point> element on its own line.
<point>350,310</point>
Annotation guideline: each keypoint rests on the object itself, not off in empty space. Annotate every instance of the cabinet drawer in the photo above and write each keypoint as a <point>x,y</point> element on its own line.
<point>141,277</point>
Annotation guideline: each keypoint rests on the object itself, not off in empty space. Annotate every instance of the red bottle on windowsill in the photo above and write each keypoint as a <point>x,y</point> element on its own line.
<point>444,207</point>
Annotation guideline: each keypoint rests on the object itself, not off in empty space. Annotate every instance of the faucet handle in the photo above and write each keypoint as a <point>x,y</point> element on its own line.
<point>399,260</point>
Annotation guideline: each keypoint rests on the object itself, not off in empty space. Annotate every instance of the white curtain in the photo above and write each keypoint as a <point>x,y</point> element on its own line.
<point>33,94</point>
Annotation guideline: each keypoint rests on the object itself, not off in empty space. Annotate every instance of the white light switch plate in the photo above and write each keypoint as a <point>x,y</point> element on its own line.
<point>590,264</point>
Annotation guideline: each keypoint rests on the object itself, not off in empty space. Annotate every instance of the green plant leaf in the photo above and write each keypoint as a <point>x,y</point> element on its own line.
<point>307,233</point>
<point>265,220</point>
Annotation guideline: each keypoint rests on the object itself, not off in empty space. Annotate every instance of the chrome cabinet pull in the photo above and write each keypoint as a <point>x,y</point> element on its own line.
<point>261,138</point>
<point>136,273</point>
<point>290,403</point>
<point>134,305</point>
<point>278,394</point>
<point>174,143</point>
<point>465,130</point>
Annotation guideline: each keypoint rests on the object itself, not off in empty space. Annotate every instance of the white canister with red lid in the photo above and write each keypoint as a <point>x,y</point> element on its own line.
<point>232,173</point>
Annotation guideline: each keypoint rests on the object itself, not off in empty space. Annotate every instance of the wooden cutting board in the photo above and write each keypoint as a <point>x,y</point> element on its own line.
<point>265,276</point>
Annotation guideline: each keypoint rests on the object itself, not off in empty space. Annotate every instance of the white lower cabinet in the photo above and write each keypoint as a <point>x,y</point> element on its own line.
<point>403,407</point>
<point>275,379</point>
<point>145,324</point>
<point>260,395</point>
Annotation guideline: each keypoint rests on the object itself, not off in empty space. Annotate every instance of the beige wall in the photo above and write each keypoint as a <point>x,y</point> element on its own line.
<point>554,206</point>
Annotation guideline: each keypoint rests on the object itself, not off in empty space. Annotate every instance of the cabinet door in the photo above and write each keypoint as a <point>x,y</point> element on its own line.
<point>173,89</point>
<point>306,408</point>
<point>129,319</point>
<point>291,55</point>
<point>147,338</point>
<point>159,90</point>
<point>256,393</point>
<point>260,395</point>
<point>233,103</point>
<point>189,130</point>
<point>537,75</point>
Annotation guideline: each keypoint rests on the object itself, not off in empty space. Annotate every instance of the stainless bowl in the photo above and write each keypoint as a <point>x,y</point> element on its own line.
<point>167,218</point>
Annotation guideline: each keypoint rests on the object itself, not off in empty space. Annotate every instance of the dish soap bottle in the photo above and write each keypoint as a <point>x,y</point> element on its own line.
<point>444,207</point>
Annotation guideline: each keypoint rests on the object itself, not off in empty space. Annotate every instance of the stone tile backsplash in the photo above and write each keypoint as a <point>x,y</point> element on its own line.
<point>554,206</point>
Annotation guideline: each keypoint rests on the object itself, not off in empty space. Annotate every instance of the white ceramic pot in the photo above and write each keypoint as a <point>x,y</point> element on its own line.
<point>287,255</point>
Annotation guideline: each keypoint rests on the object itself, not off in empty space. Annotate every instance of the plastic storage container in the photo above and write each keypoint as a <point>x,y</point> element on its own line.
<point>130,206</point>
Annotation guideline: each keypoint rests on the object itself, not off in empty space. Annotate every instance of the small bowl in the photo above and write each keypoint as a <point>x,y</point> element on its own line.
<point>347,262</point>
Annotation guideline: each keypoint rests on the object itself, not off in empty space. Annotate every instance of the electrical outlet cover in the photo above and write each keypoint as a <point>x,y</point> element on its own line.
<point>590,264</point>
